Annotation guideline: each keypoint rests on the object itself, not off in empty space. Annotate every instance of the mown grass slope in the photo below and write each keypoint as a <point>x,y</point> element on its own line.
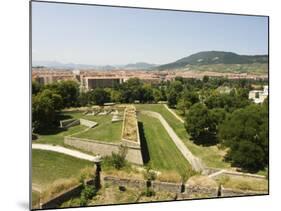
<point>211,155</point>
<point>162,151</point>
<point>49,166</point>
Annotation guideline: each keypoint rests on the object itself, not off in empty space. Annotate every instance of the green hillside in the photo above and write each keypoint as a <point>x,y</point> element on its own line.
<point>215,58</point>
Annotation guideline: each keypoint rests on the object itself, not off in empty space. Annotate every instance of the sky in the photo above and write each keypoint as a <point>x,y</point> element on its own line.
<point>100,35</point>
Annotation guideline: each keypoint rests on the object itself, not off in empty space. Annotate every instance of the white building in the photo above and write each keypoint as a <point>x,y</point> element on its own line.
<point>258,96</point>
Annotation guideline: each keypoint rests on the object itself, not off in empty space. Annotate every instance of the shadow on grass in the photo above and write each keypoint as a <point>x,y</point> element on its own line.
<point>144,148</point>
<point>64,116</point>
<point>51,131</point>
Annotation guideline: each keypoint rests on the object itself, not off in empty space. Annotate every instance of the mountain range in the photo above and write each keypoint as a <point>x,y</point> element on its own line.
<point>214,57</point>
<point>205,60</point>
<point>59,65</point>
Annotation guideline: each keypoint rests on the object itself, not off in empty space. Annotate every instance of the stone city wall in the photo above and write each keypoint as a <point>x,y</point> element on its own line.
<point>57,200</point>
<point>102,148</point>
<point>189,191</point>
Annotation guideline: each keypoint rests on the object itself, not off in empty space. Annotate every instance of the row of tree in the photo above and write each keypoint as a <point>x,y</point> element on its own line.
<point>244,132</point>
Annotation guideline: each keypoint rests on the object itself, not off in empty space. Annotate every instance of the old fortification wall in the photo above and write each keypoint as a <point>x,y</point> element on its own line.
<point>102,148</point>
<point>189,191</point>
<point>57,200</point>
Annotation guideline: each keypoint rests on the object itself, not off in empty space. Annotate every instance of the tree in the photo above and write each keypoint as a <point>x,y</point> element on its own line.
<point>69,91</point>
<point>191,96</point>
<point>44,107</point>
<point>146,94</point>
<point>84,98</point>
<point>201,125</point>
<point>183,105</point>
<point>115,96</point>
<point>99,96</point>
<point>245,132</point>
<point>229,102</point>
<point>157,95</point>
<point>205,79</point>
<point>36,87</point>
<point>172,98</point>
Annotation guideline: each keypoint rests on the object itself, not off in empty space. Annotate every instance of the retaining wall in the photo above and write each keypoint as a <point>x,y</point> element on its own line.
<point>97,147</point>
<point>88,123</point>
<point>189,191</point>
<point>69,123</point>
<point>56,201</point>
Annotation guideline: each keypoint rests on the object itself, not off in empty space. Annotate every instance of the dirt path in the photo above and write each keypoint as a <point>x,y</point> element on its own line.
<point>59,149</point>
<point>177,116</point>
<point>195,162</point>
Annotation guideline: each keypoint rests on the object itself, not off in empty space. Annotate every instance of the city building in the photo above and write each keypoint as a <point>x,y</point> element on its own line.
<point>258,96</point>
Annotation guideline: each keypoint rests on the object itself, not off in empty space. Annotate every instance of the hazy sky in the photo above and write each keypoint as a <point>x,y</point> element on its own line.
<point>109,35</point>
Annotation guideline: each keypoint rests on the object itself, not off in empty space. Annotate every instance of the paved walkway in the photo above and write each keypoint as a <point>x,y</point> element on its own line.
<point>59,149</point>
<point>195,162</point>
<point>177,116</point>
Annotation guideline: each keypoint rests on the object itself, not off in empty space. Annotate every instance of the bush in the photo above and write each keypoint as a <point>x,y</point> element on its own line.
<point>87,193</point>
<point>149,174</point>
<point>117,160</point>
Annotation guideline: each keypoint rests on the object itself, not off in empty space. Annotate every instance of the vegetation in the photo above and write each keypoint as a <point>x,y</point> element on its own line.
<point>201,125</point>
<point>56,136</point>
<point>87,193</point>
<point>106,130</point>
<point>162,151</point>
<point>116,160</point>
<point>49,166</point>
<point>243,183</point>
<point>215,57</point>
<point>212,156</point>
<point>245,132</point>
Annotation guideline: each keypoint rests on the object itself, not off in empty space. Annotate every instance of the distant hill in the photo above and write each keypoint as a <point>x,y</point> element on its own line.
<point>214,57</point>
<point>139,65</point>
<point>59,65</point>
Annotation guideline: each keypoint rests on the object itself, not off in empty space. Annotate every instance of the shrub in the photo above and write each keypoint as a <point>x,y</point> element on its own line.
<point>87,193</point>
<point>116,160</point>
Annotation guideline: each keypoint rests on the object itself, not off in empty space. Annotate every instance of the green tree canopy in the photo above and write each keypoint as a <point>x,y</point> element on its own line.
<point>99,96</point>
<point>44,107</point>
<point>201,125</point>
<point>245,132</point>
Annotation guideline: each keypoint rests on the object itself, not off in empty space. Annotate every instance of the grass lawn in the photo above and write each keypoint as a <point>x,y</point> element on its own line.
<point>211,156</point>
<point>49,166</point>
<point>104,131</point>
<point>243,183</point>
<point>163,153</point>
<point>35,199</point>
<point>56,137</point>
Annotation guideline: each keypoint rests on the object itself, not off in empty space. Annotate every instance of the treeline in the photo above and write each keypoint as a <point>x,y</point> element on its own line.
<point>230,120</point>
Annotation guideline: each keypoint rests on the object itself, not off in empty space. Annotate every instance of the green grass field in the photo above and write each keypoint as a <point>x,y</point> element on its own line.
<point>104,131</point>
<point>49,166</point>
<point>211,156</point>
<point>56,137</point>
<point>163,153</point>
<point>35,199</point>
